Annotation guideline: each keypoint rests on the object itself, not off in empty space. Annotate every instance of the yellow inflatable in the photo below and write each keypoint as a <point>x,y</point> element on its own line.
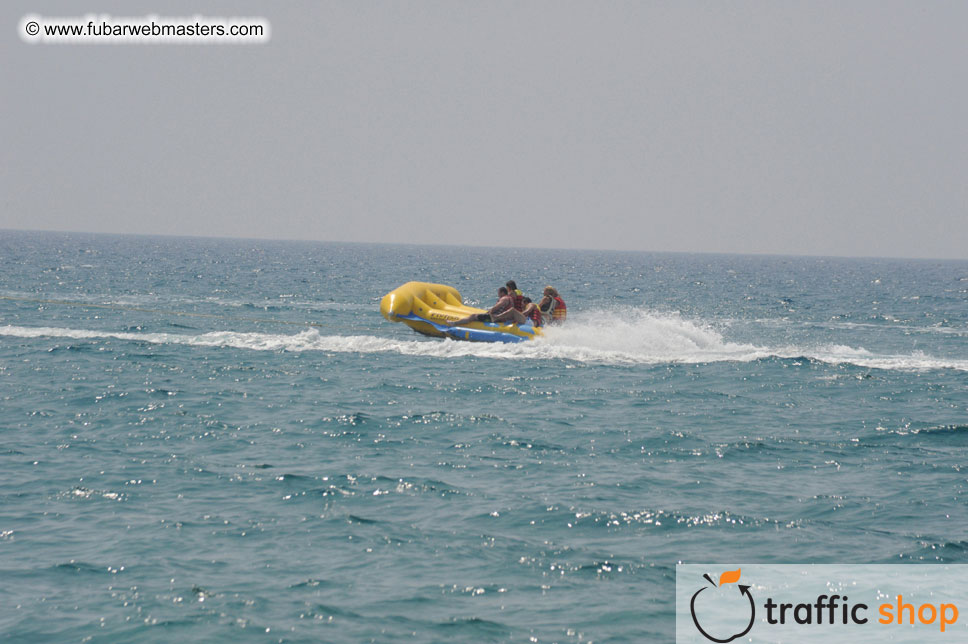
<point>426,308</point>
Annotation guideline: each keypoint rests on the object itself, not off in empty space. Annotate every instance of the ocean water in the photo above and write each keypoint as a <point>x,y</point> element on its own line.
<point>223,440</point>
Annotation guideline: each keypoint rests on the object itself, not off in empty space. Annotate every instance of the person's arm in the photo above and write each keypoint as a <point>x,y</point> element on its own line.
<point>498,306</point>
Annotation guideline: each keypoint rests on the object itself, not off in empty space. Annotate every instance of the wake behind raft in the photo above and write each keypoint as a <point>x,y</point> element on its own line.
<point>426,308</point>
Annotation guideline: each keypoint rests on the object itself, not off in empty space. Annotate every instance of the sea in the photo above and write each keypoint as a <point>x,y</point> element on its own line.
<point>222,440</point>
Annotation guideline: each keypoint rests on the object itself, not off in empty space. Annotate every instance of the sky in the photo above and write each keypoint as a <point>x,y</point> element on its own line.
<point>806,128</point>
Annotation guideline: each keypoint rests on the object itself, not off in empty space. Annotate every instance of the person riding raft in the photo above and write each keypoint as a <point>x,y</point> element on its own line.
<point>524,304</point>
<point>532,312</point>
<point>516,295</point>
<point>553,306</point>
<point>502,311</point>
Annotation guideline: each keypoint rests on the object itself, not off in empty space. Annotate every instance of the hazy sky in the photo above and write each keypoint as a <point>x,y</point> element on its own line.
<point>833,128</point>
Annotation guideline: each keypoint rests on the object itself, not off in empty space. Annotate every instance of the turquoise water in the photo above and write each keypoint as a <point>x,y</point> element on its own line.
<point>183,456</point>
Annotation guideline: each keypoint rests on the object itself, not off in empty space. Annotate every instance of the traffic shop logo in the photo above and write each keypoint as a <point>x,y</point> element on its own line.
<point>725,611</point>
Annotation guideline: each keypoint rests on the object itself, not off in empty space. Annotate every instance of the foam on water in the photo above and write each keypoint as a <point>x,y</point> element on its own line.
<point>628,336</point>
<point>290,301</point>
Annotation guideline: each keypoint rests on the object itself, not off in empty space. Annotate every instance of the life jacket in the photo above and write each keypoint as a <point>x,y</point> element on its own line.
<point>518,298</point>
<point>559,311</point>
<point>535,316</point>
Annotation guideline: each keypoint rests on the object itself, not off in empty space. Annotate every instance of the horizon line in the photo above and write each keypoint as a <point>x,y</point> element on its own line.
<point>485,246</point>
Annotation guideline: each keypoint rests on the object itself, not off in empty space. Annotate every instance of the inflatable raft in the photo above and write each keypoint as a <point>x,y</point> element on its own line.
<point>426,308</point>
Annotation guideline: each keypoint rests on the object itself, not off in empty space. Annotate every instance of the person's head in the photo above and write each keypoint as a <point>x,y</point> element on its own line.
<point>502,291</point>
<point>527,300</point>
<point>512,286</point>
<point>550,290</point>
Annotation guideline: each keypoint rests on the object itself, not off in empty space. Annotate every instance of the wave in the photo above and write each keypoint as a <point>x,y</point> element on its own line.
<point>642,336</point>
<point>629,338</point>
<point>283,301</point>
<point>937,328</point>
